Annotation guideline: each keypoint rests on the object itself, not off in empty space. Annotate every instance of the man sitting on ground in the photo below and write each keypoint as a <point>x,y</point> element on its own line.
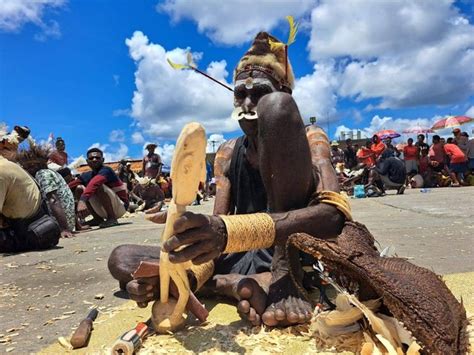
<point>392,172</point>
<point>20,207</point>
<point>149,193</point>
<point>100,192</point>
<point>52,186</point>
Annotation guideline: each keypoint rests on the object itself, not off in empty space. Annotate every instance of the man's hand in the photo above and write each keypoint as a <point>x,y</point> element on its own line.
<point>67,234</point>
<point>159,217</point>
<point>201,237</point>
<point>82,210</point>
<point>144,290</point>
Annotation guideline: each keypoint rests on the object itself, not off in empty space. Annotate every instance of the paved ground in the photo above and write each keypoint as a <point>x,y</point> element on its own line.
<point>44,295</point>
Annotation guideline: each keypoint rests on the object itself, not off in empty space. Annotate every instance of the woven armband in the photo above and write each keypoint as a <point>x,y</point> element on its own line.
<point>337,200</point>
<point>202,273</point>
<point>248,232</point>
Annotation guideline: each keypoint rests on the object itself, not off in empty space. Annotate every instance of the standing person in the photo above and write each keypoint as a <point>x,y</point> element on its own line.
<point>420,143</point>
<point>21,209</point>
<point>378,147</point>
<point>470,154</point>
<point>100,192</point>
<point>350,155</point>
<point>151,165</point>
<point>52,186</point>
<point>410,155</point>
<point>58,157</point>
<point>337,155</point>
<point>457,163</point>
<point>460,139</point>
<point>366,155</point>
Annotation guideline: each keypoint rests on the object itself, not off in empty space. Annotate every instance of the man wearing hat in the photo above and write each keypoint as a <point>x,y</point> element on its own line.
<point>151,166</point>
<point>337,155</point>
<point>9,142</point>
<point>270,184</point>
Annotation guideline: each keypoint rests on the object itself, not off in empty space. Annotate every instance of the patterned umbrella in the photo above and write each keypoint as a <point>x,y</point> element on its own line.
<point>418,130</point>
<point>387,133</point>
<point>451,121</point>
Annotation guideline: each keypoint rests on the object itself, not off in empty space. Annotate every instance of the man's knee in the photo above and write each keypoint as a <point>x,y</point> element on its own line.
<point>278,109</point>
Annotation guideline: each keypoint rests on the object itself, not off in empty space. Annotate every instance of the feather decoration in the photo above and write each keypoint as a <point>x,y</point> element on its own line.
<point>293,30</point>
<point>176,65</point>
<point>274,45</point>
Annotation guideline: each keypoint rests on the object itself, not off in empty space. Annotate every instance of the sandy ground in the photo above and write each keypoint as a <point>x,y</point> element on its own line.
<point>44,295</point>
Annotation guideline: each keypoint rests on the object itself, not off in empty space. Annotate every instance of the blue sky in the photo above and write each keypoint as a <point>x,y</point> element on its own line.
<point>95,72</point>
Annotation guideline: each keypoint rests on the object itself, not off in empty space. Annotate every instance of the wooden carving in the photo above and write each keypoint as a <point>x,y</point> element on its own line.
<point>188,169</point>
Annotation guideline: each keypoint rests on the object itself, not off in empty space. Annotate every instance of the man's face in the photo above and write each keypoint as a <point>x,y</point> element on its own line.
<point>95,160</point>
<point>151,149</point>
<point>410,142</point>
<point>60,146</point>
<point>421,139</point>
<point>250,87</point>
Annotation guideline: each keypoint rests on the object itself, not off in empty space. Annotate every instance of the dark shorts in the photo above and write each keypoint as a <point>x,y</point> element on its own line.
<point>246,263</point>
<point>470,164</point>
<point>458,168</point>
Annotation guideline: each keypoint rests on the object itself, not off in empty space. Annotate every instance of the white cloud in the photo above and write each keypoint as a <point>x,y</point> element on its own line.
<point>14,14</point>
<point>470,112</point>
<point>117,135</point>
<point>112,153</point>
<point>235,22</point>
<point>213,142</point>
<point>137,138</point>
<point>166,99</point>
<point>121,112</point>
<point>315,93</point>
<point>406,53</point>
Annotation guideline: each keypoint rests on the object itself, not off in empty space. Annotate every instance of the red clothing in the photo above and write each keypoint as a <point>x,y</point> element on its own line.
<point>366,156</point>
<point>410,152</point>
<point>378,148</point>
<point>437,153</point>
<point>58,157</point>
<point>455,153</point>
<point>423,164</point>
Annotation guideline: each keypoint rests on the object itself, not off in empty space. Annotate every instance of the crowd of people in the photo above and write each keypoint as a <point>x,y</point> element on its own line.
<point>42,200</point>
<point>379,166</point>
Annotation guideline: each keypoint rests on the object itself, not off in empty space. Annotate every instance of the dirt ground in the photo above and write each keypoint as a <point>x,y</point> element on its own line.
<point>44,295</point>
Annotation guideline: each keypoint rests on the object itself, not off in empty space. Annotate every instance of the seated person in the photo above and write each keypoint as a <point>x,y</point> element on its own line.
<point>20,207</point>
<point>366,155</point>
<point>457,163</point>
<point>52,186</point>
<point>392,172</point>
<point>100,192</point>
<point>149,193</point>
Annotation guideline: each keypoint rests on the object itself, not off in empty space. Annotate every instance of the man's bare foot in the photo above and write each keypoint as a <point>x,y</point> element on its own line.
<point>250,290</point>
<point>285,304</point>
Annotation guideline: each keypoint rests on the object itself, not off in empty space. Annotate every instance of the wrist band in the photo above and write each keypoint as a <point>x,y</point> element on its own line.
<point>248,232</point>
<point>337,200</point>
<point>202,273</point>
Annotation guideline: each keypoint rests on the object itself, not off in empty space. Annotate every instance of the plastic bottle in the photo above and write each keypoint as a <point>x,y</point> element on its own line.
<point>425,190</point>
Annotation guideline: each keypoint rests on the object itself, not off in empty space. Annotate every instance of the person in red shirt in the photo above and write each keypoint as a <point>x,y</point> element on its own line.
<point>437,154</point>
<point>410,155</point>
<point>457,163</point>
<point>377,146</point>
<point>366,155</point>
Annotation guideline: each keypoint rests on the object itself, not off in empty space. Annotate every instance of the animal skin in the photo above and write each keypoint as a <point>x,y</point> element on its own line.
<point>415,296</point>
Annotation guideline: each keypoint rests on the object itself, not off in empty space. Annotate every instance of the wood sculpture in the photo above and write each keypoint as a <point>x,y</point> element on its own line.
<point>188,169</point>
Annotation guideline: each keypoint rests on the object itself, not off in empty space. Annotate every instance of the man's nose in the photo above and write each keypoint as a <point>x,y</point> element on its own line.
<point>247,105</point>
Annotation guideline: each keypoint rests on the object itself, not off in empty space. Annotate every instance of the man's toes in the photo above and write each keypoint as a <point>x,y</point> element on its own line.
<point>252,315</point>
<point>243,306</point>
<point>280,314</point>
<point>257,320</point>
<point>293,317</point>
<point>269,319</point>
<point>249,289</point>
<point>245,288</point>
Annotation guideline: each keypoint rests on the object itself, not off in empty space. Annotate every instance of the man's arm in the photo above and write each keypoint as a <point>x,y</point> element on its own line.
<point>57,209</point>
<point>221,170</point>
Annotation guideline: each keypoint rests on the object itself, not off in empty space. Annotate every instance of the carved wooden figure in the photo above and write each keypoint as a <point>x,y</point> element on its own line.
<point>188,169</point>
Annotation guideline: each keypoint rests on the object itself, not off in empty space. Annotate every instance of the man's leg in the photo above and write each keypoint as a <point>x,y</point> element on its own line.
<point>287,173</point>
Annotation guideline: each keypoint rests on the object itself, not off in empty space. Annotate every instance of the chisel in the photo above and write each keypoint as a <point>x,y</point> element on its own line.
<point>81,336</point>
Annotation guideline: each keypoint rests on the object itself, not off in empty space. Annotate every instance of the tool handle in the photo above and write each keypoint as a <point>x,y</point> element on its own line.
<point>81,335</point>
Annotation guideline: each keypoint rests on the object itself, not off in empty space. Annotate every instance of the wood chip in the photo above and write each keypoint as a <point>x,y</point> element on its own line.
<point>69,312</point>
<point>99,296</point>
<point>65,343</point>
<point>9,349</point>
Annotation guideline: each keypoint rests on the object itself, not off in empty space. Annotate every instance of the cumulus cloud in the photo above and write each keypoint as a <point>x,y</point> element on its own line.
<point>166,99</point>
<point>238,21</point>
<point>117,135</point>
<point>137,138</point>
<point>470,112</point>
<point>213,142</point>
<point>406,53</point>
<point>112,153</point>
<point>14,14</point>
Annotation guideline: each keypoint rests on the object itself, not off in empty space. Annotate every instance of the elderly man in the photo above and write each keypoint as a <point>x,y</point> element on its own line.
<point>100,192</point>
<point>21,209</point>
<point>9,142</point>
<point>258,187</point>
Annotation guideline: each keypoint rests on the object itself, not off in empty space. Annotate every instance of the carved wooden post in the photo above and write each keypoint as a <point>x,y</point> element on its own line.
<point>188,169</point>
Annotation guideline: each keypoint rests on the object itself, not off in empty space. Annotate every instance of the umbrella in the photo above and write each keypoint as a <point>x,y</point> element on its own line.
<point>418,130</point>
<point>387,133</point>
<point>451,121</point>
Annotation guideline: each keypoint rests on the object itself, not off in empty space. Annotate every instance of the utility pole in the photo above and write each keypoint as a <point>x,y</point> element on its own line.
<point>213,146</point>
